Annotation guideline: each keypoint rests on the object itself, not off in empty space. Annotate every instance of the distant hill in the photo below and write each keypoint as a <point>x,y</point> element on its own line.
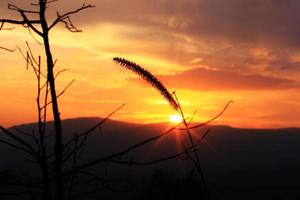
<point>238,163</point>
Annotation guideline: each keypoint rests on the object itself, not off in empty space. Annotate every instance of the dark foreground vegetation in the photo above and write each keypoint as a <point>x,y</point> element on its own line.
<point>237,164</point>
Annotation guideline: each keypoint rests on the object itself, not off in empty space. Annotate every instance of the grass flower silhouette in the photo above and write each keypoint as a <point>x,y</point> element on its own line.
<point>150,78</point>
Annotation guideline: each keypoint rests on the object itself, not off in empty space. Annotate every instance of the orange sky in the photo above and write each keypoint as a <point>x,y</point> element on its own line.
<point>207,51</point>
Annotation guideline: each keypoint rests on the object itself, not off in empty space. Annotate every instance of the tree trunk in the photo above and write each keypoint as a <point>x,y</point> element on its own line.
<point>56,115</point>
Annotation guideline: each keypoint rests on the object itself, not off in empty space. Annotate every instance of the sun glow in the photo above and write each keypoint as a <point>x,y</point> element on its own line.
<point>175,118</point>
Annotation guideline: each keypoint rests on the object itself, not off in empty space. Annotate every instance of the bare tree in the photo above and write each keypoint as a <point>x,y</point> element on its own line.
<point>39,25</point>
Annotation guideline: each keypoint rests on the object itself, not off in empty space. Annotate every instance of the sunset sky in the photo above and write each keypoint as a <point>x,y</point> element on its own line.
<point>208,51</point>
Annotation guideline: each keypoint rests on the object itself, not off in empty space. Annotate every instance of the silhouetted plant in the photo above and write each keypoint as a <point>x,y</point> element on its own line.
<point>175,104</point>
<point>154,82</point>
<point>150,78</point>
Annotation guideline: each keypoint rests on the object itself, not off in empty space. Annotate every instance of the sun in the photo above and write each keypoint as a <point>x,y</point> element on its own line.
<point>175,118</point>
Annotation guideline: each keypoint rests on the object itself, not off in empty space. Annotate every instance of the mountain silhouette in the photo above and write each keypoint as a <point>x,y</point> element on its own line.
<point>237,163</point>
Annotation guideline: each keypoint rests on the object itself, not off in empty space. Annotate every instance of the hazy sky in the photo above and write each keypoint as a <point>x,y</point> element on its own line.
<point>209,51</point>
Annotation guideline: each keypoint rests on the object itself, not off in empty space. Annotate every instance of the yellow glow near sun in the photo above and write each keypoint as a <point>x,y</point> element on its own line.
<point>175,118</point>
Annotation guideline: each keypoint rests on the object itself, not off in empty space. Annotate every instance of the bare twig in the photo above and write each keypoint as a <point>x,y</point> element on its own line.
<point>61,93</point>
<point>87,132</point>
<point>16,8</point>
<point>121,153</point>
<point>210,120</point>
<point>177,155</point>
<point>19,140</point>
<point>65,18</point>
<point>196,159</point>
<point>7,49</point>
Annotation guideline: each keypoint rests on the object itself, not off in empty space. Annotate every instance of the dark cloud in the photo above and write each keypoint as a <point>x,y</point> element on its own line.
<point>255,21</point>
<point>203,79</point>
<point>242,24</point>
<point>271,61</point>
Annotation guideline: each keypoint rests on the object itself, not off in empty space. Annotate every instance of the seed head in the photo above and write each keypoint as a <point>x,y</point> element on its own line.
<point>150,78</point>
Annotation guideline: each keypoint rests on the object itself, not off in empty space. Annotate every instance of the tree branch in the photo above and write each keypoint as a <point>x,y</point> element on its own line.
<point>25,22</point>
<point>186,150</point>
<point>17,147</point>
<point>65,18</point>
<point>16,8</point>
<point>60,94</point>
<point>87,132</point>
<point>121,153</point>
<point>16,138</point>
<point>210,120</point>
<point>18,22</point>
<point>6,49</point>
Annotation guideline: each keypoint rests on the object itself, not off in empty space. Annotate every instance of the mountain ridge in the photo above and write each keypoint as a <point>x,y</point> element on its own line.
<point>94,118</point>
